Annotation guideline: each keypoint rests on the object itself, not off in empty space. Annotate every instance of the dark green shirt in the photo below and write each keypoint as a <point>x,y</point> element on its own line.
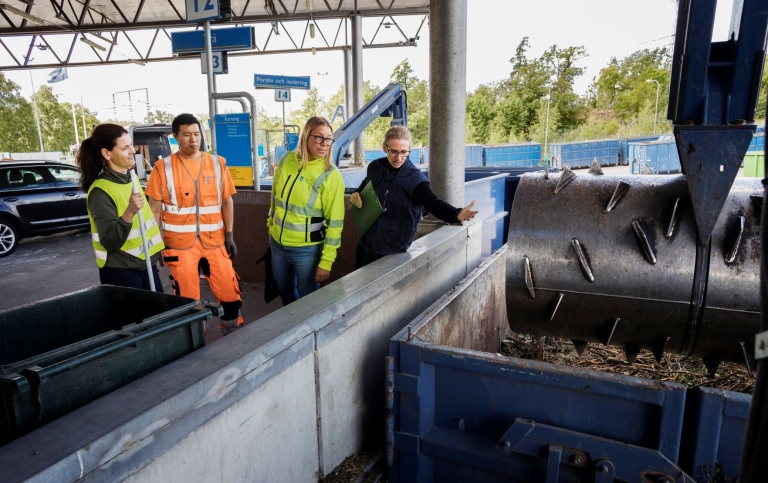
<point>113,230</point>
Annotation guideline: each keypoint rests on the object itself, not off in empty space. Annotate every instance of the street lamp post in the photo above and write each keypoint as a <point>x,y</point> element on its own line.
<point>546,126</point>
<point>322,76</point>
<point>655,111</point>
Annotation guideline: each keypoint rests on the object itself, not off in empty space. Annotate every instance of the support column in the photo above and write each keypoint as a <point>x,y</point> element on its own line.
<point>447,98</point>
<point>357,79</point>
<point>211,85</point>
<point>348,81</point>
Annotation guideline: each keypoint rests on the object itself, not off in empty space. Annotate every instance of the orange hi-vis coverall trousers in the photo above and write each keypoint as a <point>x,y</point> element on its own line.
<point>193,229</point>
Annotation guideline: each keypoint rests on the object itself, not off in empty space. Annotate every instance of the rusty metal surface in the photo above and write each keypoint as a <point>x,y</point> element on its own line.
<point>473,315</point>
<point>653,220</point>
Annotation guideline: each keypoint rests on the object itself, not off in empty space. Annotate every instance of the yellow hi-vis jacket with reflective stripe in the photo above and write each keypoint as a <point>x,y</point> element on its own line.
<point>120,194</point>
<point>307,206</point>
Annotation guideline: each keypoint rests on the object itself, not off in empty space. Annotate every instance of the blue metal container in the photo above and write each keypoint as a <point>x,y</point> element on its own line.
<point>473,155</point>
<point>489,192</point>
<point>456,414</point>
<point>714,427</point>
<point>581,154</point>
<point>758,141</point>
<point>425,155</point>
<point>513,155</point>
<point>660,156</point>
<point>462,415</point>
<point>623,148</point>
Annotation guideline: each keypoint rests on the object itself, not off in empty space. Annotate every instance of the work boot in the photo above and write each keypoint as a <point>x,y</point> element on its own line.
<point>229,326</point>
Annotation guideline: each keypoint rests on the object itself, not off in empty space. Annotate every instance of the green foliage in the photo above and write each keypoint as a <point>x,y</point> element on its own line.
<point>760,114</point>
<point>18,132</point>
<point>417,98</point>
<point>158,117</point>
<point>625,85</point>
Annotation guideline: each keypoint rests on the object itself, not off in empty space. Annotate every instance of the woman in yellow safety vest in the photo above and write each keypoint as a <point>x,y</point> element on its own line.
<point>105,160</point>
<point>306,213</point>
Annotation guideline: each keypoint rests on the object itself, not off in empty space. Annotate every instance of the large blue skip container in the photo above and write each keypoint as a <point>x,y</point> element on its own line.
<point>581,154</point>
<point>513,155</point>
<point>660,156</point>
<point>623,147</point>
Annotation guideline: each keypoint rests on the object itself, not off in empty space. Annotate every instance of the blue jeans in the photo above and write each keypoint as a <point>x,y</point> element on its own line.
<point>294,269</point>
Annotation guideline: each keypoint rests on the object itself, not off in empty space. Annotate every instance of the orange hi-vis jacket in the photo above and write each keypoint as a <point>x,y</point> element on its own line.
<point>192,202</point>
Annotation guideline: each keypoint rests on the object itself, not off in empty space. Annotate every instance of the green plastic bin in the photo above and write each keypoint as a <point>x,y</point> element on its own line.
<point>754,164</point>
<point>62,353</point>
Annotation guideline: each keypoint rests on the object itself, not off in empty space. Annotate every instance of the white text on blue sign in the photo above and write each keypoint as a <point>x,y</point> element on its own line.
<point>279,81</point>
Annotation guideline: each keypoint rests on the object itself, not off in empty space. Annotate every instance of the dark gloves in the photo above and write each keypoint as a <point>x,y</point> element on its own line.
<point>229,243</point>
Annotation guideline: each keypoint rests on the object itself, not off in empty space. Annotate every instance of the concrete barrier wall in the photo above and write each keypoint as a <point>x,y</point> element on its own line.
<point>286,398</point>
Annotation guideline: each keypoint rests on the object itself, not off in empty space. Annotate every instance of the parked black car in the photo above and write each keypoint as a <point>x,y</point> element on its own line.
<point>38,198</point>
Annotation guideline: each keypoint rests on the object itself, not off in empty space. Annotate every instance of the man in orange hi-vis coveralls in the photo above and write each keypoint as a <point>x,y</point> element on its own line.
<point>190,192</point>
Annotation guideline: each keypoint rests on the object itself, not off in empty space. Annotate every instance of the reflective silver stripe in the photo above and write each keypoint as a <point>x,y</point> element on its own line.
<point>335,223</point>
<point>169,179</point>
<point>100,255</point>
<point>136,252</point>
<point>205,210</point>
<point>299,227</point>
<point>136,232</point>
<point>217,171</point>
<point>95,237</point>
<point>333,242</point>
<point>316,188</point>
<point>193,228</point>
<point>299,210</point>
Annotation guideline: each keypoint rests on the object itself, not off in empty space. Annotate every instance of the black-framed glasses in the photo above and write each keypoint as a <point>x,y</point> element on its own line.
<point>322,140</point>
<point>394,152</point>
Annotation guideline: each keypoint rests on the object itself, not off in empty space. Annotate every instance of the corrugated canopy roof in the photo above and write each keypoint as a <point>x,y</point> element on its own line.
<point>51,28</point>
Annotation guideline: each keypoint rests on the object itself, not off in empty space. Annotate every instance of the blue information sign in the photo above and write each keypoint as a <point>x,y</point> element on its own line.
<point>292,140</point>
<point>280,81</point>
<point>199,10</point>
<point>233,141</point>
<point>234,38</point>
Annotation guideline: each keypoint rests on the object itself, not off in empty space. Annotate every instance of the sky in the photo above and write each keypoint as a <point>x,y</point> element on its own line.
<point>606,28</point>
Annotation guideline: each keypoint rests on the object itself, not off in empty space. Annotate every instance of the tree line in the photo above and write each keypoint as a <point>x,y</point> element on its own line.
<point>535,102</point>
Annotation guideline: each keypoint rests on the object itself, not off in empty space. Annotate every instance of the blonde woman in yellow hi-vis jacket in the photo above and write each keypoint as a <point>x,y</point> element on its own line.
<point>306,213</point>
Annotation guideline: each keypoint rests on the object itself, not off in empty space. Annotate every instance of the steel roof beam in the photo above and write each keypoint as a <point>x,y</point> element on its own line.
<point>197,56</point>
<point>249,19</point>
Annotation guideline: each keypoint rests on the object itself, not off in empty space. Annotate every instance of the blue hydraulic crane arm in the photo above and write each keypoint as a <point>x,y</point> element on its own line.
<point>712,100</point>
<point>391,101</point>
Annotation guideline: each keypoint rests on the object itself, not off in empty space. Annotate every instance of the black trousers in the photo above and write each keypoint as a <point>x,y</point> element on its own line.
<point>128,277</point>
<point>363,257</point>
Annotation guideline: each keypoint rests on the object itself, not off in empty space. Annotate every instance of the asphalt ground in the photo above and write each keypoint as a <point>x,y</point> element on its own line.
<point>44,267</point>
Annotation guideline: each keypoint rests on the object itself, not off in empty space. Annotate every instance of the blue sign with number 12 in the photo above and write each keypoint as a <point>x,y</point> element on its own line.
<point>200,10</point>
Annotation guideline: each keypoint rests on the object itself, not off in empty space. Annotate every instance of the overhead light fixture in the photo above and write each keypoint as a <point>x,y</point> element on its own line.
<point>386,24</point>
<point>105,39</point>
<point>310,6</point>
<point>22,13</point>
<point>312,30</point>
<point>92,43</point>
<point>137,62</point>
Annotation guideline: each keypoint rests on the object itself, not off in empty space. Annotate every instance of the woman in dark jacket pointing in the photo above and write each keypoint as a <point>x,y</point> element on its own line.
<point>402,190</point>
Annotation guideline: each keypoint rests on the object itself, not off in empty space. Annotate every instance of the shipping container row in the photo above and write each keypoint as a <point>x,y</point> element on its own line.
<point>657,152</point>
<point>661,156</point>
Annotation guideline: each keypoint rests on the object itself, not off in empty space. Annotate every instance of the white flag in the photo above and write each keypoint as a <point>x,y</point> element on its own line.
<point>57,75</point>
